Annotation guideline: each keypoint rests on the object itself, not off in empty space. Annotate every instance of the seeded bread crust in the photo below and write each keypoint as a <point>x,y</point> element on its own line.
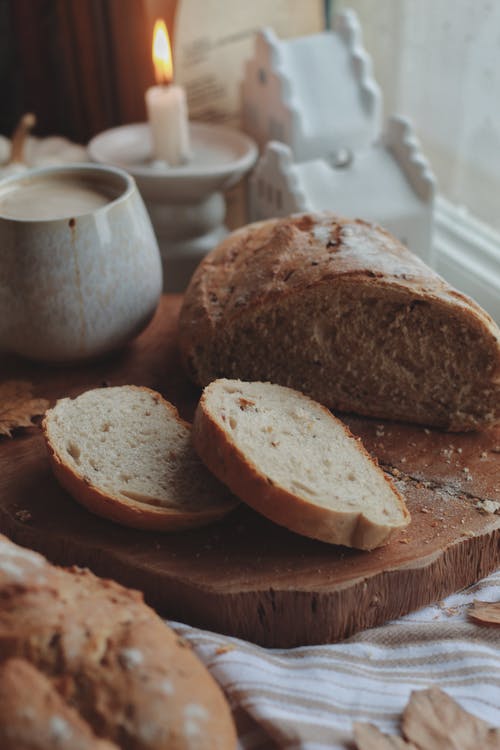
<point>109,656</point>
<point>228,461</point>
<point>270,300</point>
<point>33,715</point>
<point>128,511</point>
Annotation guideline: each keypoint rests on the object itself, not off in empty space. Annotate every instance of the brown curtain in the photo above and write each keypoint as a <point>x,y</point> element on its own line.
<point>80,65</point>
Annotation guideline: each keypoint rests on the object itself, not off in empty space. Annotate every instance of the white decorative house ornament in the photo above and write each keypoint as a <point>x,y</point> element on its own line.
<point>315,93</point>
<point>314,108</point>
<point>391,183</point>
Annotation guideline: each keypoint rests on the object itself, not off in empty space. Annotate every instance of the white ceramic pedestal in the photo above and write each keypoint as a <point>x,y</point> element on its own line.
<point>185,203</point>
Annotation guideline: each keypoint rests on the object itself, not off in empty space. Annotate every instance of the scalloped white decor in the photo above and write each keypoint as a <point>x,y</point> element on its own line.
<point>390,183</point>
<point>314,108</point>
<point>315,93</point>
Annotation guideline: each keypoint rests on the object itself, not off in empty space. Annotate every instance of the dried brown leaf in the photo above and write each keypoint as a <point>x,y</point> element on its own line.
<point>18,406</point>
<point>434,721</point>
<point>431,721</point>
<point>368,737</point>
<point>485,613</point>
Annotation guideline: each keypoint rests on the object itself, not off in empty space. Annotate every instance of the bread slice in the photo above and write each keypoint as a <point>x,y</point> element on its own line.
<point>125,454</point>
<point>342,311</point>
<point>294,462</point>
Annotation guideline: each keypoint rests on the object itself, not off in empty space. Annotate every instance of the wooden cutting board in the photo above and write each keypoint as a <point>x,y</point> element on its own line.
<point>246,576</point>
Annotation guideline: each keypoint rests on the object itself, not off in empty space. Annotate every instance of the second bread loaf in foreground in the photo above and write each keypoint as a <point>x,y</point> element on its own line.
<point>110,658</point>
<point>126,455</point>
<point>342,311</point>
<point>291,460</point>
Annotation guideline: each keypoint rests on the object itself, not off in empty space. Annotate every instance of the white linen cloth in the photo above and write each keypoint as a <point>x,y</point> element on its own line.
<point>307,698</point>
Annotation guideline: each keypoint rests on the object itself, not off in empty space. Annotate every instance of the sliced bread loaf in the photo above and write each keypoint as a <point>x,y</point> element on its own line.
<point>126,455</point>
<point>293,461</point>
<point>342,311</point>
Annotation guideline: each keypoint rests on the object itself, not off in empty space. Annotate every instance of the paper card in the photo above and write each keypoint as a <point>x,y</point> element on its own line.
<point>214,38</point>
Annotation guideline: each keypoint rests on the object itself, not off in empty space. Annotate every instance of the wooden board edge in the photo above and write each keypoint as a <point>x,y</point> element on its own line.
<point>311,617</point>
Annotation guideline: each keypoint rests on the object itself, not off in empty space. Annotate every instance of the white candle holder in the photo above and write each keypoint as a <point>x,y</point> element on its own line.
<point>185,203</point>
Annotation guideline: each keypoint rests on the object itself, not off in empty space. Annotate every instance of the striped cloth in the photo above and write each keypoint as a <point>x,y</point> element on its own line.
<point>307,698</point>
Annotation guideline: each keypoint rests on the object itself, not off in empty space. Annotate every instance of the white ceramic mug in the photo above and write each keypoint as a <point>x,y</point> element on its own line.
<point>80,269</point>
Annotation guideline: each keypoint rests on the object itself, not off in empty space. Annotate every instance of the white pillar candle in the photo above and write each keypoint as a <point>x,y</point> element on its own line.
<point>168,120</point>
<point>166,105</point>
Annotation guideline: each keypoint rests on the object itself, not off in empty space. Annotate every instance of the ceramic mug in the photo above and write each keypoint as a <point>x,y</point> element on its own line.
<point>80,269</point>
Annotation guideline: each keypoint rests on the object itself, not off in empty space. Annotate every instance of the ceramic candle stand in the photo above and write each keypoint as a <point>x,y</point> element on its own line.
<point>185,203</point>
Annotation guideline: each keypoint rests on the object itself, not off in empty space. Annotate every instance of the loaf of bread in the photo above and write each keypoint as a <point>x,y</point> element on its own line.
<point>33,715</point>
<point>342,311</point>
<point>110,658</point>
<point>294,462</point>
<point>126,455</point>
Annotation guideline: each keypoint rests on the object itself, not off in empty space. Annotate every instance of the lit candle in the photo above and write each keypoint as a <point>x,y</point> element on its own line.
<point>166,105</point>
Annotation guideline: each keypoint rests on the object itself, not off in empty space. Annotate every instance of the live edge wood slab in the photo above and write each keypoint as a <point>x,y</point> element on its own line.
<point>246,576</point>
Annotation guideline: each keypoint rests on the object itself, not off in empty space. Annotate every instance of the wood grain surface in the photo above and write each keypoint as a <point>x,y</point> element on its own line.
<point>246,576</point>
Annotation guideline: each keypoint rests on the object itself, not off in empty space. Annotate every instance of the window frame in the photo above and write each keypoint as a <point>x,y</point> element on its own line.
<point>466,252</point>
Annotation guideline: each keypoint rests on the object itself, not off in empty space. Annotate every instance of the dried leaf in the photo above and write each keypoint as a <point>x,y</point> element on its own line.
<point>434,721</point>
<point>18,406</point>
<point>485,612</point>
<point>431,721</point>
<point>368,737</point>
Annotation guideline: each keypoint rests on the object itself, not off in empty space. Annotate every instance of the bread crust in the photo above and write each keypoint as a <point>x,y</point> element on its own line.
<point>261,266</point>
<point>221,455</point>
<point>45,720</point>
<point>130,512</point>
<point>109,656</point>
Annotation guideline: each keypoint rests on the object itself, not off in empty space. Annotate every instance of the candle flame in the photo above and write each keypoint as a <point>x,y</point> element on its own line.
<point>162,54</point>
